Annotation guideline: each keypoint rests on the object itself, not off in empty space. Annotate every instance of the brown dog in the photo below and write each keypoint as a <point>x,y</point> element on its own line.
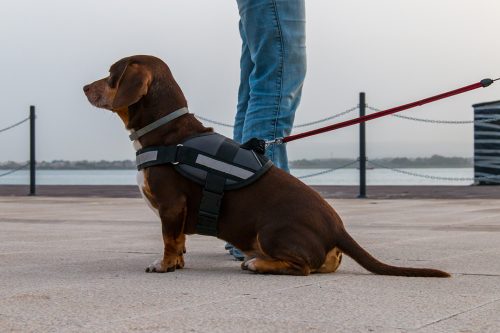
<point>279,222</point>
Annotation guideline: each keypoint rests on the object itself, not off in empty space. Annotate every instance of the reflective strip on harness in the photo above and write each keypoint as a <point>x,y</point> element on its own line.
<point>146,157</point>
<point>223,167</point>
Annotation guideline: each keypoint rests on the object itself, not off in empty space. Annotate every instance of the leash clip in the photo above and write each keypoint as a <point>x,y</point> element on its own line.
<point>277,141</point>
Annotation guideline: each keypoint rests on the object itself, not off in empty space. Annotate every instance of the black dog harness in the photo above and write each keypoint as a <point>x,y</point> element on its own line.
<point>217,163</point>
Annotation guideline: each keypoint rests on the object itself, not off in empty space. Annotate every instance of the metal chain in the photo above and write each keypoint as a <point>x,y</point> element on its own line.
<point>12,171</point>
<point>328,171</point>
<point>432,177</point>
<point>328,118</point>
<point>436,121</point>
<point>432,121</point>
<point>12,126</point>
<point>213,121</point>
<point>295,126</point>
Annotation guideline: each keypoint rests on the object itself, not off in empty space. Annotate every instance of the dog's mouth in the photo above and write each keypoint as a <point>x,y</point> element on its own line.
<point>97,100</point>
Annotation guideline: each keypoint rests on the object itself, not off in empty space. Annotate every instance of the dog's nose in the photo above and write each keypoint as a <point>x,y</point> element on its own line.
<point>86,88</point>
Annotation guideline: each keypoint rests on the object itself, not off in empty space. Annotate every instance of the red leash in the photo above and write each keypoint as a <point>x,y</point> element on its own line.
<point>482,84</point>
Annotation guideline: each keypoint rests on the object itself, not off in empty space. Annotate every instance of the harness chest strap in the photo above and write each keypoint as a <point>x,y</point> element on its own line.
<point>180,154</point>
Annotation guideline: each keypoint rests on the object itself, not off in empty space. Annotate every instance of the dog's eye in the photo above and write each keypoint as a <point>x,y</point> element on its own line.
<point>111,81</point>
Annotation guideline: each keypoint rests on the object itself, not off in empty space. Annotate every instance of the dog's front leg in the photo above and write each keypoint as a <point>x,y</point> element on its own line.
<point>172,219</point>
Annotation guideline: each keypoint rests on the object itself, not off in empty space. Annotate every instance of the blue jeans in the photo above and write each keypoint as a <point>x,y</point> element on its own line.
<point>273,68</point>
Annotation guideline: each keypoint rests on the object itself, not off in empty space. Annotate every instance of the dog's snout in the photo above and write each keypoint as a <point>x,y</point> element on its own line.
<point>86,88</point>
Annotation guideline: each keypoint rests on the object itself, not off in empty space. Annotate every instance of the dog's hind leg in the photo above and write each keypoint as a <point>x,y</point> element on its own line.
<point>332,261</point>
<point>274,260</point>
<point>271,266</point>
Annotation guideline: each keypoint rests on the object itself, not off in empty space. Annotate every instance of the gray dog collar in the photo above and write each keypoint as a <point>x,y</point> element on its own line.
<point>160,122</point>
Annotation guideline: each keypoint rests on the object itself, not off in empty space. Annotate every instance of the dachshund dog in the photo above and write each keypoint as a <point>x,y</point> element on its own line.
<point>281,224</point>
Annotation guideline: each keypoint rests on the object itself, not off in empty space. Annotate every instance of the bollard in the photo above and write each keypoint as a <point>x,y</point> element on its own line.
<point>487,143</point>
<point>362,148</point>
<point>32,152</point>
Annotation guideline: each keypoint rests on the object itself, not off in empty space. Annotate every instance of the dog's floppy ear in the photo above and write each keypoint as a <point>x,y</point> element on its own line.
<point>132,84</point>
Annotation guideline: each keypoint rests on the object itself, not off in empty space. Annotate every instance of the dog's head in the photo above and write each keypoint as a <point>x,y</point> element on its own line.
<point>131,82</point>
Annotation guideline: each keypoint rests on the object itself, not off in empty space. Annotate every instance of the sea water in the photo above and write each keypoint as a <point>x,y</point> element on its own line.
<point>338,177</point>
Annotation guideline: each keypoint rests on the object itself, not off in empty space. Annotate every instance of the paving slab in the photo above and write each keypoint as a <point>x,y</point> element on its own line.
<point>77,265</point>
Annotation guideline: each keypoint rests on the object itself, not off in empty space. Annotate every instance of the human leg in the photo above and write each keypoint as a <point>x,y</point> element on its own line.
<point>246,67</point>
<point>272,72</point>
<point>274,31</point>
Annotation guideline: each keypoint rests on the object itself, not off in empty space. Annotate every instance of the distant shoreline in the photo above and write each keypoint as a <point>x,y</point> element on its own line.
<point>435,161</point>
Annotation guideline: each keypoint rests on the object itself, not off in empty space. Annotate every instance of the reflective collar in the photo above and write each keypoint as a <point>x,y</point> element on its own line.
<point>160,122</point>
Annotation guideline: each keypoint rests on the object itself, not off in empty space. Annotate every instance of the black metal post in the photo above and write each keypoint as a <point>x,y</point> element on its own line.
<point>362,147</point>
<point>32,151</point>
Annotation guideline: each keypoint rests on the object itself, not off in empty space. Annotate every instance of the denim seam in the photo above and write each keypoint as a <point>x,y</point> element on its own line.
<point>279,82</point>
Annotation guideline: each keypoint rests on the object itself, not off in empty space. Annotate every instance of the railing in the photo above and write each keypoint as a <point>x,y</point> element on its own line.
<point>362,160</point>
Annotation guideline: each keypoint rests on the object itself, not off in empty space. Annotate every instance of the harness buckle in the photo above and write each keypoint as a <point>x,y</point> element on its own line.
<point>208,213</point>
<point>179,145</point>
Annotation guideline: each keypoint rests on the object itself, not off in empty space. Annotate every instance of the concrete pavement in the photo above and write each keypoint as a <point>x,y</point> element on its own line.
<point>77,265</point>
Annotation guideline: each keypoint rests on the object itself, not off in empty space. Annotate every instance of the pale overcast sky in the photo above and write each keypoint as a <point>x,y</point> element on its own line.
<point>397,51</point>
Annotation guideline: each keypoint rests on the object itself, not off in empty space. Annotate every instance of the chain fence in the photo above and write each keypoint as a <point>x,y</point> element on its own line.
<point>438,121</point>
<point>14,170</point>
<point>340,114</point>
<point>409,173</point>
<point>328,171</point>
<point>215,122</point>
<point>406,172</point>
<point>6,129</point>
<point>415,174</point>
<point>493,178</point>
<point>15,125</point>
<point>322,120</point>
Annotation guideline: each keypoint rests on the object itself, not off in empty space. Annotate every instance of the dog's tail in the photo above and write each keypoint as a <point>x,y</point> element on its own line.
<point>350,247</point>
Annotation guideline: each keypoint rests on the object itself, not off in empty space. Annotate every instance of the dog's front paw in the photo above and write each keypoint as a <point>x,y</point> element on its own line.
<point>179,262</point>
<point>165,266</point>
<point>159,267</point>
